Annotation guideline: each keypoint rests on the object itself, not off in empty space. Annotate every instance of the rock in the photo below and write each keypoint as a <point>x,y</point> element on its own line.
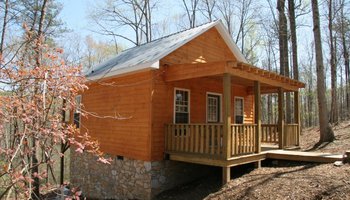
<point>148,166</point>
<point>338,163</point>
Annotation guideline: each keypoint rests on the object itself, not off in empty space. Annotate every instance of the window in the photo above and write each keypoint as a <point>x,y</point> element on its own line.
<point>213,107</point>
<point>239,105</point>
<point>182,106</point>
<point>77,111</point>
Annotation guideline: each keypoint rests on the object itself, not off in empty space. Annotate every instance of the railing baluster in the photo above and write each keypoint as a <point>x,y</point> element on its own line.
<point>169,137</point>
<point>192,133</point>
<point>187,136</point>
<point>218,141</point>
<point>232,140</point>
<point>207,150</point>
<point>202,139</point>
<point>197,139</point>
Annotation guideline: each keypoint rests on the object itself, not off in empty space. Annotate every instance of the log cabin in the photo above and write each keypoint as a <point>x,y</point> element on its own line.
<point>166,109</point>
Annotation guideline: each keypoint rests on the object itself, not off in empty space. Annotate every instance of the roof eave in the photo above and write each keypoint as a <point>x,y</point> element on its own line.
<point>125,70</point>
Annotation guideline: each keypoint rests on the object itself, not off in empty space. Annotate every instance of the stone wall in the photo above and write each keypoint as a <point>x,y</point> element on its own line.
<point>128,178</point>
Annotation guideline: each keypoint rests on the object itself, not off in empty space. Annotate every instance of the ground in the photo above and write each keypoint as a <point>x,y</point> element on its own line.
<point>279,179</point>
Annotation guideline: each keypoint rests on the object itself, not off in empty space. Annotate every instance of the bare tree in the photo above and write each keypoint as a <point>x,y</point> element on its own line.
<point>283,38</point>
<point>334,100</point>
<point>343,29</point>
<point>292,19</point>
<point>283,47</point>
<point>241,21</point>
<point>326,132</point>
<point>226,10</point>
<point>4,26</point>
<point>113,16</point>
<point>245,15</point>
<point>191,8</point>
<point>207,8</point>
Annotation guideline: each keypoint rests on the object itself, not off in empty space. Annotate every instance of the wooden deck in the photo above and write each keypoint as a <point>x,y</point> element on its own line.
<point>303,156</point>
<point>250,158</point>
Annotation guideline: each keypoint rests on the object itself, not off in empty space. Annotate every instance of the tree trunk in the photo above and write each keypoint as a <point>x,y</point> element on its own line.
<point>334,102</point>
<point>346,59</point>
<point>283,45</point>
<point>293,30</point>
<point>326,132</point>
<point>38,50</point>
<point>4,25</point>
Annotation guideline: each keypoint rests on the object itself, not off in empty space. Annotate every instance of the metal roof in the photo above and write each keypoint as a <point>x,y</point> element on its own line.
<point>148,55</point>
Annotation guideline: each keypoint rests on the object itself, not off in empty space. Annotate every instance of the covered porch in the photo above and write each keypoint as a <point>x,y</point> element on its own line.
<point>227,144</point>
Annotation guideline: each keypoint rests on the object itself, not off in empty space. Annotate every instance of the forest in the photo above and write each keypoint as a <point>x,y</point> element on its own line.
<point>274,35</point>
<point>305,40</point>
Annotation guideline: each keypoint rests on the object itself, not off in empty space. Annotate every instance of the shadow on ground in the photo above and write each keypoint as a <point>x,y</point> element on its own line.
<point>204,186</point>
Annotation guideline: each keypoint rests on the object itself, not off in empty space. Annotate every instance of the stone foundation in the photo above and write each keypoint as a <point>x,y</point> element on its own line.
<point>128,178</point>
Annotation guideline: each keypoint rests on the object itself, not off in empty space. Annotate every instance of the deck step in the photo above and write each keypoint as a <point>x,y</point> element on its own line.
<point>304,156</point>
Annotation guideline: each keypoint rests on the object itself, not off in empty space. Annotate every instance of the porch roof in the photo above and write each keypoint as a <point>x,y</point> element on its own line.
<point>243,74</point>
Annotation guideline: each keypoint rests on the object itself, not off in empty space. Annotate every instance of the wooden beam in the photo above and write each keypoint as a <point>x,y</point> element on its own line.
<point>188,71</point>
<point>197,159</point>
<point>303,156</point>
<point>297,114</point>
<point>257,164</point>
<point>257,116</point>
<point>226,175</point>
<point>243,70</point>
<point>280,118</point>
<point>347,156</point>
<point>276,81</point>
<point>227,116</point>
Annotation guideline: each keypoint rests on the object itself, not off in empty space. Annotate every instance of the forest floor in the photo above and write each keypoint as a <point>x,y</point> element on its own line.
<point>279,179</point>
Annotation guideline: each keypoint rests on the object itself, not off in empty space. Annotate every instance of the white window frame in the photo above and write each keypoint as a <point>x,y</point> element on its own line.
<point>234,108</point>
<point>206,106</point>
<point>189,103</point>
<point>77,109</point>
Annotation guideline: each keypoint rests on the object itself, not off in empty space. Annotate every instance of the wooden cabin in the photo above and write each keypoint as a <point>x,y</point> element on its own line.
<point>189,97</point>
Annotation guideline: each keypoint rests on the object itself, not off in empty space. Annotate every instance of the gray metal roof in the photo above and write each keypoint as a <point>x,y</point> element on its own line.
<point>149,54</point>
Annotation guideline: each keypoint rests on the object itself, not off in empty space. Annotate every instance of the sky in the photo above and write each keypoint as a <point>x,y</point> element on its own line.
<point>74,14</point>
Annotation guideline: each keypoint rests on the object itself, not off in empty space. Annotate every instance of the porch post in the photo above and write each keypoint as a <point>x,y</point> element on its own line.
<point>257,116</point>
<point>227,116</point>
<point>297,114</point>
<point>227,126</point>
<point>280,118</point>
<point>226,175</point>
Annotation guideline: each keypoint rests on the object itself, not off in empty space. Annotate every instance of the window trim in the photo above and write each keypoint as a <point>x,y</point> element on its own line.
<point>189,104</point>
<point>234,108</point>
<point>77,109</point>
<point>206,106</point>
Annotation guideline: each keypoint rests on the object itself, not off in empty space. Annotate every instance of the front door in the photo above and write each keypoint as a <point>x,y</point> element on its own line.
<point>213,108</point>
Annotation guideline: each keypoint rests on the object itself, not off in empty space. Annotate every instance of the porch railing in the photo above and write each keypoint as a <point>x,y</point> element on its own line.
<point>205,139</point>
<point>269,133</point>
<point>291,136</point>
<point>243,139</point>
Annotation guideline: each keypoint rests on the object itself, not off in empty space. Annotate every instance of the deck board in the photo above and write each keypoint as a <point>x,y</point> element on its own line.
<point>250,158</point>
<point>304,156</point>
